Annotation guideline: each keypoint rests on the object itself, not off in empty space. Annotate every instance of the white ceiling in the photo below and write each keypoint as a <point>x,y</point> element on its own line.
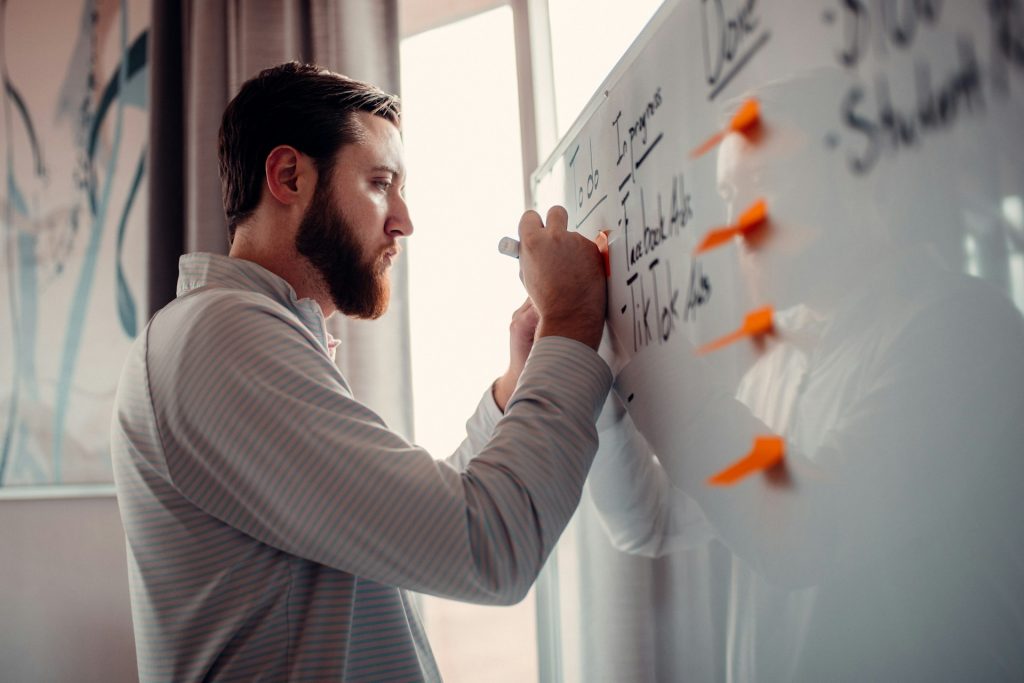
<point>416,16</point>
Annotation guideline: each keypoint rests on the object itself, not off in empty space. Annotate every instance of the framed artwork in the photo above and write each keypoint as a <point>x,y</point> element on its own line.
<point>73,139</point>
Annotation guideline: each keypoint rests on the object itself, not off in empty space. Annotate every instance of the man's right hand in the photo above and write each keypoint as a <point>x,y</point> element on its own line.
<point>564,275</point>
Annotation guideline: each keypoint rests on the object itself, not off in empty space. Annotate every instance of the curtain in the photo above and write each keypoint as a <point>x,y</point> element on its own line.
<point>203,50</point>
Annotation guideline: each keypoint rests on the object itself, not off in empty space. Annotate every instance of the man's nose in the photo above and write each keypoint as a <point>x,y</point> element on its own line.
<point>400,222</point>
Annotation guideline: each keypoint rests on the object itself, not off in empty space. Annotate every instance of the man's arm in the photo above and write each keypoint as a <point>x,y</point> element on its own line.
<point>270,443</point>
<point>480,426</point>
<point>259,431</point>
<point>642,512</point>
<point>571,305</point>
<point>522,333</point>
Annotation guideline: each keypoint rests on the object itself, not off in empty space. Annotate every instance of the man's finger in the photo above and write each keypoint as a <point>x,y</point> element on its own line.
<point>529,223</point>
<point>558,218</point>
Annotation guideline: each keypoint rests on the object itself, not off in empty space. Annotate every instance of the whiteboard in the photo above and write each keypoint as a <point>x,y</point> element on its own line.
<point>890,159</point>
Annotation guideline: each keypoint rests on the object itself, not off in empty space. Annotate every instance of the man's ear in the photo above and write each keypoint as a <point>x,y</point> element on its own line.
<point>289,174</point>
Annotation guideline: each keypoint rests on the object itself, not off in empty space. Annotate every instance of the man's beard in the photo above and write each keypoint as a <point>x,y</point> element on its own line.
<point>359,287</point>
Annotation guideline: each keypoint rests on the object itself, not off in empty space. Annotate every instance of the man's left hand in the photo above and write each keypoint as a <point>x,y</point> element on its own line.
<point>522,332</point>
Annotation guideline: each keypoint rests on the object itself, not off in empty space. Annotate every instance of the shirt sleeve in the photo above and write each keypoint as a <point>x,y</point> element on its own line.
<point>479,428</point>
<point>642,512</point>
<point>259,431</point>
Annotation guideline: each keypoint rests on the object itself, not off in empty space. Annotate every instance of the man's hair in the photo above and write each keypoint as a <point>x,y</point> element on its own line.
<point>302,105</point>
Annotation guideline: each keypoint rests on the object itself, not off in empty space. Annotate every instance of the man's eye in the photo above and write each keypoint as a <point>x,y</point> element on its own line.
<point>383,185</point>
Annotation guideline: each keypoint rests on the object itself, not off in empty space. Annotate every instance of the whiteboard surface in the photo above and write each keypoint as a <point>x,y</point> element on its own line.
<point>891,161</point>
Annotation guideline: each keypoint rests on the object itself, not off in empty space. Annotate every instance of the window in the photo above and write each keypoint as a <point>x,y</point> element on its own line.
<point>461,128</point>
<point>587,39</point>
<point>462,136</point>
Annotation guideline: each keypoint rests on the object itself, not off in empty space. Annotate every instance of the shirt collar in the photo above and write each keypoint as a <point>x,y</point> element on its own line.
<point>213,270</point>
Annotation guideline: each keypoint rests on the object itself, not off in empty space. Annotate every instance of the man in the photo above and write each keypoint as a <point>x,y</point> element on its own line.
<point>274,523</point>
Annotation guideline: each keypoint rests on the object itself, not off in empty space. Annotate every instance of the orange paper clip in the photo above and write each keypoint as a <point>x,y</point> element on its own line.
<point>602,246</point>
<point>767,451</point>
<point>748,116</point>
<point>750,220</point>
<point>756,323</point>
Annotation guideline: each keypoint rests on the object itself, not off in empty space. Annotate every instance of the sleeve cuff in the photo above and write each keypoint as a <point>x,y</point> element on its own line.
<point>566,363</point>
<point>487,414</point>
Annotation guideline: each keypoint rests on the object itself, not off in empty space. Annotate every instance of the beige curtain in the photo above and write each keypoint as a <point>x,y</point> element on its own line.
<point>203,51</point>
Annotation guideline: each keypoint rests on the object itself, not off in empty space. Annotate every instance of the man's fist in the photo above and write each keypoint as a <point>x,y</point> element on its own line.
<point>564,275</point>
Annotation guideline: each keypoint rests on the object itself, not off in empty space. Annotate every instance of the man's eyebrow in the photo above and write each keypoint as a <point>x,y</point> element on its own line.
<point>386,169</point>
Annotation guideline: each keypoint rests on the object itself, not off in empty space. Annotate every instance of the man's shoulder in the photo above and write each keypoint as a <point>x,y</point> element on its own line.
<point>212,309</point>
<point>217,298</point>
<point>221,325</point>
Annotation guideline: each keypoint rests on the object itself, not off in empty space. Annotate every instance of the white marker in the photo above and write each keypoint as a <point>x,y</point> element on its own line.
<point>509,247</point>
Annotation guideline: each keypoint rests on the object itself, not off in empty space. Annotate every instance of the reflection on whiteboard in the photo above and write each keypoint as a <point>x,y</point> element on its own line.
<point>889,165</point>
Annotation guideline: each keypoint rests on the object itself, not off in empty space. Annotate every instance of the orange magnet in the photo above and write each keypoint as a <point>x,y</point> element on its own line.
<point>602,246</point>
<point>744,121</point>
<point>767,452</point>
<point>756,323</point>
<point>751,219</point>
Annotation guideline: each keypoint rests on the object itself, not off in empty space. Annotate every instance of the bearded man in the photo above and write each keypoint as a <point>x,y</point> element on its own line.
<point>275,523</point>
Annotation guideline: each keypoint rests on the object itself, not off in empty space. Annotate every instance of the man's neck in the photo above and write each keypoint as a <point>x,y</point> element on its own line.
<point>285,262</point>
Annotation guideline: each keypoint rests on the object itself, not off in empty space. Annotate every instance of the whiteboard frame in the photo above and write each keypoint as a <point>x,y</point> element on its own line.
<point>57,492</point>
<point>548,603</point>
<point>601,94</point>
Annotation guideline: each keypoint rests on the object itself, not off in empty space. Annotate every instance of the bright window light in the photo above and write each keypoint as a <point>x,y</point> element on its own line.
<point>461,127</point>
<point>585,45</point>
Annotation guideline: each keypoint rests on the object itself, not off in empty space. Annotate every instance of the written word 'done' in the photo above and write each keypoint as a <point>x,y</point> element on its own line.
<point>731,34</point>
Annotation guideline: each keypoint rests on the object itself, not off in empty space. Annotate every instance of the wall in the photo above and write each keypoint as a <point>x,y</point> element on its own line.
<point>64,592</point>
<point>73,199</point>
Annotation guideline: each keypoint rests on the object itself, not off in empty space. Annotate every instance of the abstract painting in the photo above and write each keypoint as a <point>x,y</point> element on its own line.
<point>73,201</point>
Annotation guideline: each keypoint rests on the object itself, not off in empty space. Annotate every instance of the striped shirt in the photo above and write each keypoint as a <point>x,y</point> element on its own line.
<point>274,523</point>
